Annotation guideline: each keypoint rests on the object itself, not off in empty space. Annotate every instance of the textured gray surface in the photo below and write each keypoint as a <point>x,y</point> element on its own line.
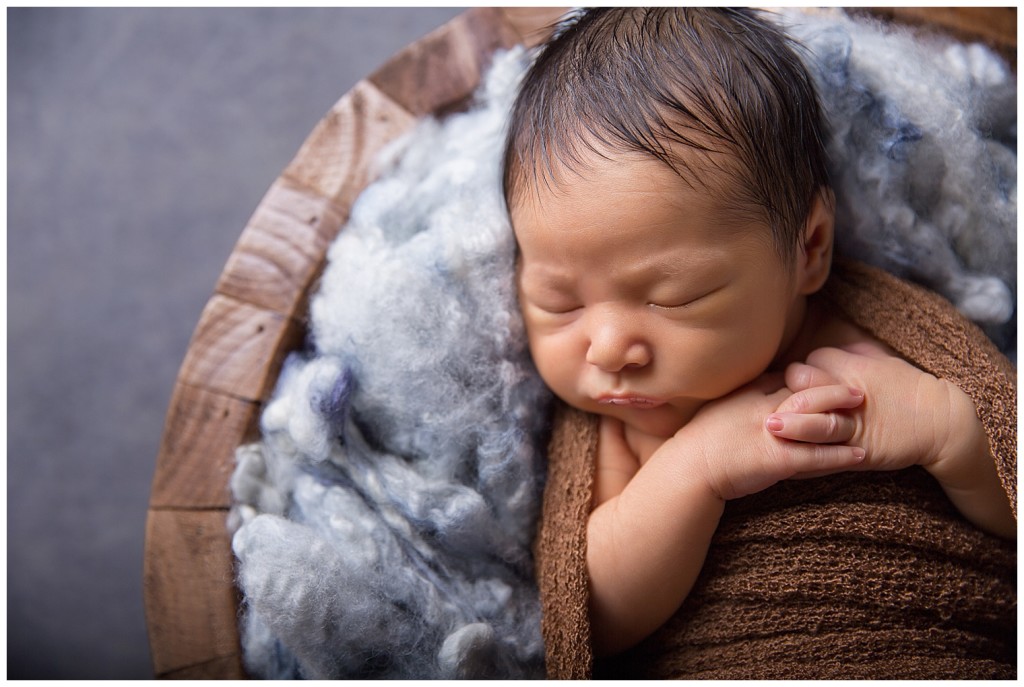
<point>139,142</point>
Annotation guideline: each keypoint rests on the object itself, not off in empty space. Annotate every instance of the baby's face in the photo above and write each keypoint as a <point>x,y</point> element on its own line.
<point>642,301</point>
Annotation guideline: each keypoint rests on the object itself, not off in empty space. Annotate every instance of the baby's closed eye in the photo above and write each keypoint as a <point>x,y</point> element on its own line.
<point>555,305</point>
<point>679,301</point>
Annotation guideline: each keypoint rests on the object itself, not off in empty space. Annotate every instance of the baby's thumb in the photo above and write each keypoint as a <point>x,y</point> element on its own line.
<point>801,376</point>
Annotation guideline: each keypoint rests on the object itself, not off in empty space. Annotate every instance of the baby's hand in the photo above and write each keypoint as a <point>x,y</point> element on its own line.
<point>815,414</point>
<point>909,417</point>
<point>905,420</point>
<point>739,457</point>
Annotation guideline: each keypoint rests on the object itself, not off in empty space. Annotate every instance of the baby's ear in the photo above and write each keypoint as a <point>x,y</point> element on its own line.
<point>815,257</point>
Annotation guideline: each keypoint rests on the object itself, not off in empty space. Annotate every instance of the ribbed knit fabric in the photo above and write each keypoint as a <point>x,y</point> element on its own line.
<point>561,547</point>
<point>857,575</point>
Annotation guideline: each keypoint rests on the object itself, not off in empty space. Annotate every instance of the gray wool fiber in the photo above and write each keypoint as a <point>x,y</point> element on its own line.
<point>384,521</point>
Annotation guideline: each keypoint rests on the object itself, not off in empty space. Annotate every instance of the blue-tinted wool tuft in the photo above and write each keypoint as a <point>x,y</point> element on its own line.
<point>923,158</point>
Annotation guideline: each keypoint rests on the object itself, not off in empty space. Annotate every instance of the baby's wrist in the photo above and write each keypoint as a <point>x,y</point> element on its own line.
<point>963,444</point>
<point>695,457</point>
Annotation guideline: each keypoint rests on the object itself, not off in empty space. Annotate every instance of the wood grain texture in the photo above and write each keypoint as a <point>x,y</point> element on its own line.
<point>439,72</point>
<point>191,603</point>
<point>238,349</point>
<point>336,160</point>
<point>532,24</point>
<point>281,250</point>
<point>197,452</point>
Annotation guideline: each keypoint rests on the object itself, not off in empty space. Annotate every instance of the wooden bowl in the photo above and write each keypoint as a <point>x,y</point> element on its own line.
<point>257,315</point>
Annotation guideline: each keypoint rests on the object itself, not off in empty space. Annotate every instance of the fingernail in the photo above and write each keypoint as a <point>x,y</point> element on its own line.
<point>774,424</point>
<point>856,392</point>
<point>859,453</point>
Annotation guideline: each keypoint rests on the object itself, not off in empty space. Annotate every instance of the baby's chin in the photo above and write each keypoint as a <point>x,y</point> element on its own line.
<point>662,422</point>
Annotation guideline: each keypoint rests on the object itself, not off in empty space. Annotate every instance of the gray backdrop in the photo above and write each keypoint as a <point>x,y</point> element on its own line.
<point>139,142</point>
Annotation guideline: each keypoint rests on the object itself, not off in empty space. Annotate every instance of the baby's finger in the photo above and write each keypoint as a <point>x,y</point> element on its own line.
<point>846,360</point>
<point>807,460</point>
<point>818,428</point>
<point>800,376</point>
<point>819,399</point>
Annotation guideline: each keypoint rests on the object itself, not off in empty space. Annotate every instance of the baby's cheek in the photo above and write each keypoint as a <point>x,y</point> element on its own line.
<point>554,362</point>
<point>725,362</point>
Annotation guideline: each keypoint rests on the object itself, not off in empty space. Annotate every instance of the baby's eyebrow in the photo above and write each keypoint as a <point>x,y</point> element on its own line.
<point>548,288</point>
<point>674,267</point>
<point>547,284</point>
<point>544,274</point>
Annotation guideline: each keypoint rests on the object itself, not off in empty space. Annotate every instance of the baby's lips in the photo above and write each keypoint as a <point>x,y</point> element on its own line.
<point>629,400</point>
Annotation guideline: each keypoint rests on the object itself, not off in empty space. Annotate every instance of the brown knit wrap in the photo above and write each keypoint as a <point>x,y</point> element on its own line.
<point>858,575</point>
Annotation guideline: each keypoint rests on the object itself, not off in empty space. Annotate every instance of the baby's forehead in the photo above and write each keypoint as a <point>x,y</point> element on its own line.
<point>640,200</point>
<point>683,178</point>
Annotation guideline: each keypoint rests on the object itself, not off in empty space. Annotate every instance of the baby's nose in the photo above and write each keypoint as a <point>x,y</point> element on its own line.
<point>614,347</point>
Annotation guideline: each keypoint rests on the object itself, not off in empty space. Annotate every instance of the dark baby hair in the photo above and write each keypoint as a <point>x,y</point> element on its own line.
<point>668,82</point>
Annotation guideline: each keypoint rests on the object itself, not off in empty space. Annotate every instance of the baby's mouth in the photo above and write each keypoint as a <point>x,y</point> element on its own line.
<point>629,400</point>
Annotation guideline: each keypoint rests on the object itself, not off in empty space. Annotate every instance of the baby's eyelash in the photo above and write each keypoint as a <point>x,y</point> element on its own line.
<point>683,303</point>
<point>553,307</point>
<point>561,311</point>
<point>662,306</point>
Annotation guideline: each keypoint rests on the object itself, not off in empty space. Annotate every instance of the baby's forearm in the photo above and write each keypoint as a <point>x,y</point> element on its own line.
<point>986,506</point>
<point>966,471</point>
<point>645,549</point>
<point>975,490</point>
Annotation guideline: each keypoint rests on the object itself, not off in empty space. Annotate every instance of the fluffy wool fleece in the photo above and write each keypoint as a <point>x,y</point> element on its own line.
<point>388,513</point>
<point>924,159</point>
<point>384,521</point>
